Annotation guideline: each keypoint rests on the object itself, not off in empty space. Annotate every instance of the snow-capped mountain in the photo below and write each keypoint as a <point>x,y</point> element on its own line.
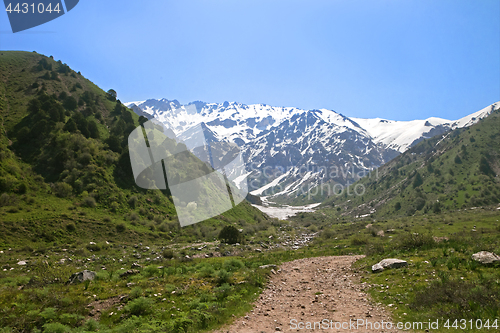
<point>290,151</point>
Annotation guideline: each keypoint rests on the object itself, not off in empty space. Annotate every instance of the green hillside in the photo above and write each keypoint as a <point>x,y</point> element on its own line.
<point>454,171</point>
<point>64,160</point>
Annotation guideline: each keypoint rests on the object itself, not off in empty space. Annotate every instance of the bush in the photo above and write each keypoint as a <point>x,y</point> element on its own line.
<point>373,249</point>
<point>114,207</point>
<point>62,190</point>
<point>359,240</point>
<point>121,227</point>
<point>459,299</point>
<point>70,227</point>
<point>132,201</point>
<point>168,254</point>
<point>4,199</point>
<point>230,235</point>
<point>207,271</point>
<point>91,326</point>
<point>89,202</point>
<point>135,293</point>
<point>56,328</point>
<point>223,276</point>
<point>232,265</point>
<point>22,188</point>
<point>150,271</point>
<point>327,234</point>
<point>411,241</point>
<point>139,307</point>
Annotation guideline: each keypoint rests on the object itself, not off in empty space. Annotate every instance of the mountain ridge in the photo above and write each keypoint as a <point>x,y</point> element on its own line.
<point>285,140</point>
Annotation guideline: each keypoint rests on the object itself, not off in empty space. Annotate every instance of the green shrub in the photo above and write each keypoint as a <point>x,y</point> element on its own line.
<point>373,249</point>
<point>48,314</point>
<point>56,328</point>
<point>89,202</point>
<point>91,325</point>
<point>114,207</point>
<point>140,306</point>
<point>62,190</point>
<point>168,254</point>
<point>359,240</point>
<point>229,234</point>
<point>70,227</point>
<point>135,293</point>
<point>232,265</point>
<point>4,199</point>
<point>410,241</point>
<point>132,201</point>
<point>207,271</point>
<point>223,276</point>
<point>121,227</point>
<point>70,319</point>
<point>150,270</point>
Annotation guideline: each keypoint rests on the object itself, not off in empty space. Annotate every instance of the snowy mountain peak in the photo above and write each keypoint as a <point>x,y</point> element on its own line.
<point>285,141</point>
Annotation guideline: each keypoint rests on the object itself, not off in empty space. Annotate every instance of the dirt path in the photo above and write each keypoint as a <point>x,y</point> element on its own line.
<point>312,290</point>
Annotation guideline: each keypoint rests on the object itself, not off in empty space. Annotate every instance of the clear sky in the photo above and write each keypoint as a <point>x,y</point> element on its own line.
<point>394,59</point>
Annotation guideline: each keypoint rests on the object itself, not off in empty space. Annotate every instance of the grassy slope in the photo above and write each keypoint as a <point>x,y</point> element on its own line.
<point>457,170</point>
<point>61,189</point>
<point>31,170</point>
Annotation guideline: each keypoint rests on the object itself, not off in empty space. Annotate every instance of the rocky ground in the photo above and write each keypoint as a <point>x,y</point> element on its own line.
<point>323,289</point>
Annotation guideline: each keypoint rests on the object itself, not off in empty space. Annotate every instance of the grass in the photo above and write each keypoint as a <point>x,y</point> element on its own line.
<point>89,215</point>
<point>442,281</point>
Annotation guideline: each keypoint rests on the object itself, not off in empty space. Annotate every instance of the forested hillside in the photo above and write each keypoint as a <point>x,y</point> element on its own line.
<point>65,167</point>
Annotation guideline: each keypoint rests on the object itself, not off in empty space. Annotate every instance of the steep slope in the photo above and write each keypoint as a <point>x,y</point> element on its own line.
<point>64,158</point>
<point>289,151</point>
<point>455,170</point>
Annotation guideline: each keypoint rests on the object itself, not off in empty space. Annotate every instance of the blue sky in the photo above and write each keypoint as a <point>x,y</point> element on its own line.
<point>394,59</point>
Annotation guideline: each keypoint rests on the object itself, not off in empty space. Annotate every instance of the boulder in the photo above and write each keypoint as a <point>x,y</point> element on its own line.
<point>82,276</point>
<point>485,257</point>
<point>388,263</point>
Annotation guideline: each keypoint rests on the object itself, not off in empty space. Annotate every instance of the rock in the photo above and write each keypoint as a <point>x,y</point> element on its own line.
<point>485,257</point>
<point>135,265</point>
<point>129,272</point>
<point>258,250</point>
<point>82,276</point>
<point>267,266</point>
<point>388,263</point>
<point>22,263</point>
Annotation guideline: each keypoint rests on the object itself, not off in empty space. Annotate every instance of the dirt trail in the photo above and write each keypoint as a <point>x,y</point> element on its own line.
<point>311,290</point>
